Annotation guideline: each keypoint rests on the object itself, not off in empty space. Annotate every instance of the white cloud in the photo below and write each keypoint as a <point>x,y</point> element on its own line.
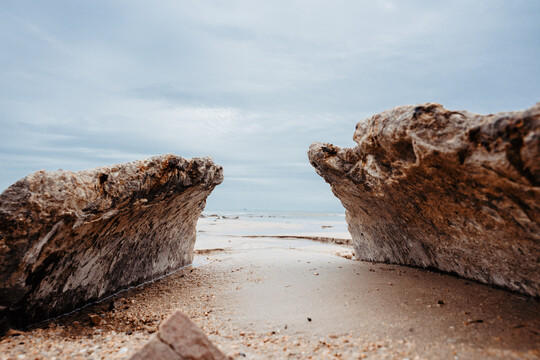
<point>251,83</point>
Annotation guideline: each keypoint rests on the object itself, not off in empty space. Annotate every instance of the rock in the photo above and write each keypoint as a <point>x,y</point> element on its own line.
<point>179,338</point>
<point>95,319</point>
<point>71,238</point>
<point>13,332</point>
<point>156,349</point>
<point>452,190</point>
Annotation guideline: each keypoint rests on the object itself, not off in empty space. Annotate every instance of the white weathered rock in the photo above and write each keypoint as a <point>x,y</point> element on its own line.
<point>70,238</point>
<point>452,190</point>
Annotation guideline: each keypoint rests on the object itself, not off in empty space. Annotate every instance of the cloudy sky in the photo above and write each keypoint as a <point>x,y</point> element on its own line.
<point>250,83</point>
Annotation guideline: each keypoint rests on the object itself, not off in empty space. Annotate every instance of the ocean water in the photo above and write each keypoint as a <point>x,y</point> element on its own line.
<point>268,223</point>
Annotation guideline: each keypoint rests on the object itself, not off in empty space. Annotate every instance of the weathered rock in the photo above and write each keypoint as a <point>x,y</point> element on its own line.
<point>70,238</point>
<point>452,190</point>
<point>179,338</point>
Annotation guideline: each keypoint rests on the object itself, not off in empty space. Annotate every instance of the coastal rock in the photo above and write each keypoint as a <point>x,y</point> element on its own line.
<point>179,338</point>
<point>451,190</point>
<point>71,238</point>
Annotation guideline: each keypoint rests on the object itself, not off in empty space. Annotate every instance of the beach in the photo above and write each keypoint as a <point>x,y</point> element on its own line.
<point>270,180</point>
<point>287,286</point>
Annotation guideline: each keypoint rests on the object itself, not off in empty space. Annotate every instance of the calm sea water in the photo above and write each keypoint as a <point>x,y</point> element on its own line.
<point>267,223</point>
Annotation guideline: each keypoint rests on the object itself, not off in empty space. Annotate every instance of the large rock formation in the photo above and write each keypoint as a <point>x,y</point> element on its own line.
<point>452,190</point>
<point>69,238</point>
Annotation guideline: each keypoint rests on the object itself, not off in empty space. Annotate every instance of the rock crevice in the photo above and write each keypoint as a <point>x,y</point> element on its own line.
<point>452,190</point>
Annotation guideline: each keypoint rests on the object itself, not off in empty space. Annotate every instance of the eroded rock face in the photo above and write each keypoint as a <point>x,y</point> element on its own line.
<point>453,190</point>
<point>69,238</point>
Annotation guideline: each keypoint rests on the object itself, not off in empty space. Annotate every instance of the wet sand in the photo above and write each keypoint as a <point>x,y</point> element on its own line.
<point>262,298</point>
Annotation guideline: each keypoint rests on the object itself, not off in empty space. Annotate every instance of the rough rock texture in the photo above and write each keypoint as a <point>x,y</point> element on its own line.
<point>179,338</point>
<point>452,190</point>
<point>70,238</point>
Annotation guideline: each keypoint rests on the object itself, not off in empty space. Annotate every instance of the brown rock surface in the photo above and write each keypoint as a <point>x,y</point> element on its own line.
<point>452,190</point>
<point>179,338</point>
<point>70,238</point>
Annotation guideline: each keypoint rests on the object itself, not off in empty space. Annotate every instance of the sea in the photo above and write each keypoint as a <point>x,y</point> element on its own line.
<point>278,223</point>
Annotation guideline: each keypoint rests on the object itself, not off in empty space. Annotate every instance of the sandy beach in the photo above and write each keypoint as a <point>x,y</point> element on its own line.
<point>291,298</point>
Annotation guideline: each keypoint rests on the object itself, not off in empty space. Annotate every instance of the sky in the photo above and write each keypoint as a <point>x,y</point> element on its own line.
<point>250,83</point>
